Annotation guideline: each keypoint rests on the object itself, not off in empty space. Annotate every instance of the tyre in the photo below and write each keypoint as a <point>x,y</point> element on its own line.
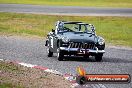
<point>81,80</point>
<point>60,55</point>
<point>50,54</point>
<point>98,57</point>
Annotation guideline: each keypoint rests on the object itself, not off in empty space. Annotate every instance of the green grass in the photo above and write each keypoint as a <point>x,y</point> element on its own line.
<point>8,85</point>
<point>115,30</point>
<point>10,67</point>
<point>97,3</point>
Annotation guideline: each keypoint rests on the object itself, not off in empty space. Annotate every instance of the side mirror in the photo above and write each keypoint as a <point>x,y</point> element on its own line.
<point>53,30</point>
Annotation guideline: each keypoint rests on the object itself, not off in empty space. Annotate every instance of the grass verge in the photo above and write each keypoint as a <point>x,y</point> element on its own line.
<point>16,76</point>
<point>95,3</point>
<point>9,85</point>
<point>115,30</point>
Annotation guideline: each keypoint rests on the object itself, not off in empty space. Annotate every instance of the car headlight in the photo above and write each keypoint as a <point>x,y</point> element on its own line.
<point>65,40</point>
<point>101,41</point>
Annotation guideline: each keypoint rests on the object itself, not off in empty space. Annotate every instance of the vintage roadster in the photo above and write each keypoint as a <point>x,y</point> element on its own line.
<point>74,39</point>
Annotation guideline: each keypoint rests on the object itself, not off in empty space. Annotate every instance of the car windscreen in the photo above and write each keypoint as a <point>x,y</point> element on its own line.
<point>76,28</point>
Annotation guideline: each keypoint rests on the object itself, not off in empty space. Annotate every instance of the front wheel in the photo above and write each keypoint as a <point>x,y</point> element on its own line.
<point>50,54</point>
<point>98,57</point>
<point>60,55</point>
<point>81,80</point>
<point>86,57</point>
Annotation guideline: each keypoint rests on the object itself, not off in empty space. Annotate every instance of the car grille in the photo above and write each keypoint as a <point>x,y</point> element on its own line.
<point>82,45</point>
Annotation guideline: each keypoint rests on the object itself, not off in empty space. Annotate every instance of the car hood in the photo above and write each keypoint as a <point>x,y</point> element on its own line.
<point>79,37</point>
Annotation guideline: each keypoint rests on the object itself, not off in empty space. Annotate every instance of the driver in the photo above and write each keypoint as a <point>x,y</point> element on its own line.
<point>59,26</point>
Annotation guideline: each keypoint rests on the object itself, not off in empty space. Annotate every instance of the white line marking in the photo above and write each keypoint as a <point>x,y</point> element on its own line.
<point>66,78</point>
<point>1,59</point>
<point>74,85</point>
<point>27,65</point>
<point>53,71</point>
<point>95,86</point>
<point>98,86</point>
<point>102,86</point>
<point>70,78</point>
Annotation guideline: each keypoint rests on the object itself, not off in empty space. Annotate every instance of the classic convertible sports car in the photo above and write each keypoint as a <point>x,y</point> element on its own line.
<point>74,39</point>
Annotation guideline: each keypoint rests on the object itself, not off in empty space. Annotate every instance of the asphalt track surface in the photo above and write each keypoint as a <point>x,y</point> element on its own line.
<point>66,10</point>
<point>32,50</point>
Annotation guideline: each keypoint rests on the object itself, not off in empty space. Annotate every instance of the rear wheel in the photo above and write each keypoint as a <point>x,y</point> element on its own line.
<point>50,54</point>
<point>60,54</point>
<point>98,57</point>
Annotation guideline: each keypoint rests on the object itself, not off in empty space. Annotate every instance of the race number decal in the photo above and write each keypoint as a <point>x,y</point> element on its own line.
<point>52,42</point>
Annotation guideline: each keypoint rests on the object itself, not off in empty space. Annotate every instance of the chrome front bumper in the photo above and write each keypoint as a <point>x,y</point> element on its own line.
<point>76,49</point>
